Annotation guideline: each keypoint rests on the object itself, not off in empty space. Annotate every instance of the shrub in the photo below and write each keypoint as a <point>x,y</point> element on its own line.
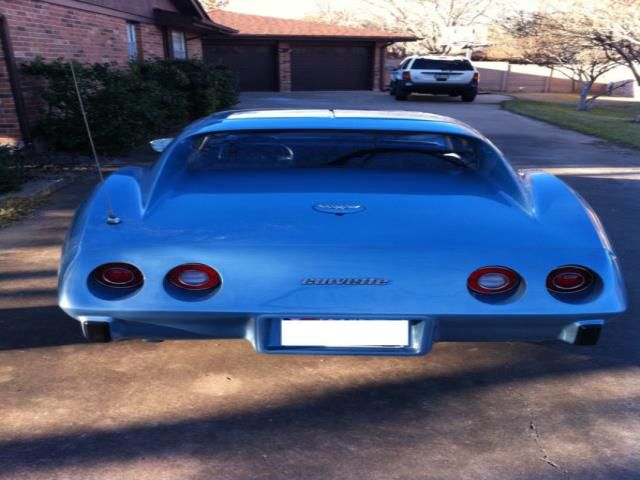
<point>204,88</point>
<point>127,107</point>
<point>11,171</point>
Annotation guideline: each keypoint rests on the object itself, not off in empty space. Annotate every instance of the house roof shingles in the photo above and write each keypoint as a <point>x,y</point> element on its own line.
<point>260,26</point>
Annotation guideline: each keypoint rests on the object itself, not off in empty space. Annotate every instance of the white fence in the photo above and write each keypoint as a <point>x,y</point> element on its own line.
<point>508,77</point>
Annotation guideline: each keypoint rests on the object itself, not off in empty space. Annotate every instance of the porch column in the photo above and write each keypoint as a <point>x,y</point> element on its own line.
<point>284,66</point>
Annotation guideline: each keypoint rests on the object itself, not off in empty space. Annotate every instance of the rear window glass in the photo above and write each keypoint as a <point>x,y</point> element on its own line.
<point>323,149</point>
<point>431,64</point>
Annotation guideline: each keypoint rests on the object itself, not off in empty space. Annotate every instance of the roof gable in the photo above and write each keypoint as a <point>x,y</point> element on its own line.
<point>192,7</point>
<point>145,8</point>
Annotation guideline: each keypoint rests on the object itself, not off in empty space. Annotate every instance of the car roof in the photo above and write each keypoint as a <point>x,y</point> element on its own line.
<point>440,57</point>
<point>338,113</point>
<point>330,119</point>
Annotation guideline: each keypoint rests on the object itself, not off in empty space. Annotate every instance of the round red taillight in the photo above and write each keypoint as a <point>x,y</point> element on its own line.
<point>493,280</point>
<point>570,279</point>
<point>195,276</point>
<point>118,275</point>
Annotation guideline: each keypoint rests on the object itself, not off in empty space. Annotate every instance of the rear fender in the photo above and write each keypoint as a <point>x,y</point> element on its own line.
<point>124,191</point>
<point>561,208</point>
<point>568,216</point>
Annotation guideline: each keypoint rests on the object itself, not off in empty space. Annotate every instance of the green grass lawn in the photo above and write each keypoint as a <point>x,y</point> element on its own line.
<point>609,119</point>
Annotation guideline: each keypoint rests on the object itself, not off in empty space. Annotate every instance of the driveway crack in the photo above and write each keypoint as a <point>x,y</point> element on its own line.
<point>543,451</point>
<point>537,438</point>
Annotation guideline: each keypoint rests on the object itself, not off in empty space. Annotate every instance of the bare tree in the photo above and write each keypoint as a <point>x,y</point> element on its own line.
<point>210,5</point>
<point>326,11</point>
<point>562,41</point>
<point>440,24</point>
<point>616,29</point>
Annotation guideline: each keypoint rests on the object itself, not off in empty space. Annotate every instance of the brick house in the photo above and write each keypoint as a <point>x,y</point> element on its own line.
<point>266,53</point>
<point>106,31</point>
<point>277,54</point>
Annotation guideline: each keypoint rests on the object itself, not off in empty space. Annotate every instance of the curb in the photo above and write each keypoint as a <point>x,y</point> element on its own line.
<point>57,185</point>
<point>44,191</point>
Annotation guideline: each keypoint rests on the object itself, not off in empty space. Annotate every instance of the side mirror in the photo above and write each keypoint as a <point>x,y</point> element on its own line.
<point>159,145</point>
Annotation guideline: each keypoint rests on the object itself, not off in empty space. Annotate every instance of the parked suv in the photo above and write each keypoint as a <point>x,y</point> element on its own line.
<point>437,75</point>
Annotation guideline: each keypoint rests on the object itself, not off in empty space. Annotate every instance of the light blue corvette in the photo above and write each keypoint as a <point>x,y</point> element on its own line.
<point>337,232</point>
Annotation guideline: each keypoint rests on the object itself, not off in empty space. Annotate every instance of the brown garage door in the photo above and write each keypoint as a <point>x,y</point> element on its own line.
<point>254,64</point>
<point>331,67</point>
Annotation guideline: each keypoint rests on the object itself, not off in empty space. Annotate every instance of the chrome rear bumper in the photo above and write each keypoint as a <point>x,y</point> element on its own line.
<point>264,331</point>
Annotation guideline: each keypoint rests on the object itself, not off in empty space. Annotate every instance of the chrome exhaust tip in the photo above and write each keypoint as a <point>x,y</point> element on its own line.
<point>588,334</point>
<point>96,332</point>
<point>583,332</point>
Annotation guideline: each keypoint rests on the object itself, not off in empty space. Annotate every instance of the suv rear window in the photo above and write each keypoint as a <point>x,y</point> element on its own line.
<point>431,64</point>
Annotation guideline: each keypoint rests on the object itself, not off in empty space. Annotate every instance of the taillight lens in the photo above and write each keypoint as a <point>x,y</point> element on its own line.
<point>476,77</point>
<point>406,75</point>
<point>493,280</point>
<point>118,275</point>
<point>570,279</point>
<point>195,276</point>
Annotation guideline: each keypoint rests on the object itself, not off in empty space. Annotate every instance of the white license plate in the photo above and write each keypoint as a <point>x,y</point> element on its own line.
<point>344,333</point>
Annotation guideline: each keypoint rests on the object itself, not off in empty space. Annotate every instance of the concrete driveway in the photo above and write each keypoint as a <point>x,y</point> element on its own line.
<point>217,410</point>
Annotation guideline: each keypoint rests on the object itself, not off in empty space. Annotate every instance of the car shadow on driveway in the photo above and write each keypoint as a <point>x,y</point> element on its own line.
<point>312,437</point>
<point>36,327</point>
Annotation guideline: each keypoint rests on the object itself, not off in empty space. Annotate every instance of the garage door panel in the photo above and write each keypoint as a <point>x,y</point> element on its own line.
<point>331,67</point>
<point>254,64</point>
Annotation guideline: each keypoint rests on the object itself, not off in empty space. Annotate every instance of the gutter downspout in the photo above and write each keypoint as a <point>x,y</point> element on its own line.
<point>14,80</point>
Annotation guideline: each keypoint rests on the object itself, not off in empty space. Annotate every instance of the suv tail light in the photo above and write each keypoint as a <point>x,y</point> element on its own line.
<point>194,276</point>
<point>476,77</point>
<point>493,280</point>
<point>118,275</point>
<point>570,279</point>
<point>406,75</point>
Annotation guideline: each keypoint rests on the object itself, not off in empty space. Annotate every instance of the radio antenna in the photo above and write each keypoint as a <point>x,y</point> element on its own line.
<point>112,218</point>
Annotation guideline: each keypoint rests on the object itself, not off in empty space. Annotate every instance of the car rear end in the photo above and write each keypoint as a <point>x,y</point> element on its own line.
<point>386,281</point>
<point>290,240</point>
<point>452,76</point>
<point>285,238</point>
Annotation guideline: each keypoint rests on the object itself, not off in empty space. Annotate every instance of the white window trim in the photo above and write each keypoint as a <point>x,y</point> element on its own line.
<point>180,53</point>
<point>132,41</point>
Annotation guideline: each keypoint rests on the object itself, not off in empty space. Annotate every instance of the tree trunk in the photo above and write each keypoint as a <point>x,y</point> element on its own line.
<point>635,71</point>
<point>583,103</point>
